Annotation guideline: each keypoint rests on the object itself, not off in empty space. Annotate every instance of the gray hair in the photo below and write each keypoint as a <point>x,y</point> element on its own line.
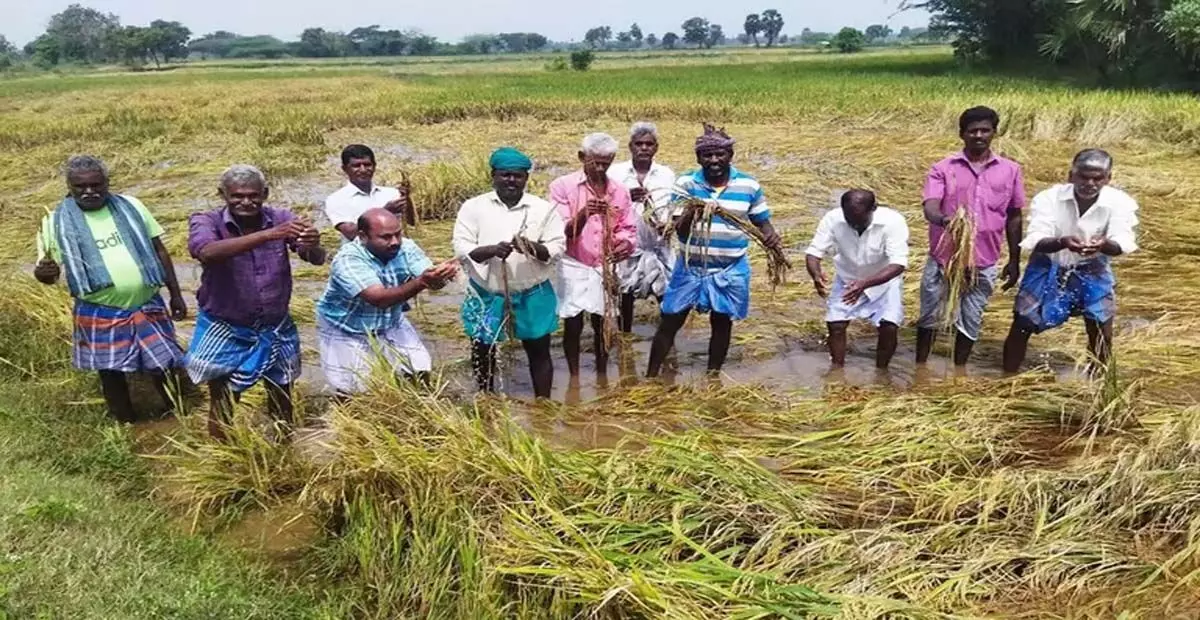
<point>600,144</point>
<point>85,163</point>
<point>1092,159</point>
<point>242,174</point>
<point>643,127</point>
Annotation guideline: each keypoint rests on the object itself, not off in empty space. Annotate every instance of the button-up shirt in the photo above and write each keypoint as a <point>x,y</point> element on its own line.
<point>1054,213</point>
<point>354,270</point>
<point>989,192</point>
<point>570,195</point>
<point>861,256</point>
<point>252,288</point>
<point>742,196</point>
<point>486,220</point>
<point>347,204</point>
<point>659,182</point>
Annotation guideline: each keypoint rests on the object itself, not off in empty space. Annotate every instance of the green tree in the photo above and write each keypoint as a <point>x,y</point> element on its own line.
<point>752,26</point>
<point>1181,24</point>
<point>625,39</point>
<point>82,34</point>
<point>166,40</point>
<point>635,33</point>
<point>878,32</point>
<point>420,44</point>
<point>670,40</point>
<point>772,25</point>
<point>216,44</point>
<point>715,35</point>
<point>598,36</point>
<point>370,41</point>
<point>695,31</point>
<point>849,40</point>
<point>44,51</point>
<point>652,40</point>
<point>6,47</point>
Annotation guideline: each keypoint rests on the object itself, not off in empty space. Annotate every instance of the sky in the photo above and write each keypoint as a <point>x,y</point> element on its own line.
<point>450,20</point>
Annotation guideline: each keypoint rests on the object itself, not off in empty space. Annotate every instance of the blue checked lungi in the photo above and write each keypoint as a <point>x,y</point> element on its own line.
<point>724,291</point>
<point>243,354</point>
<point>1051,293</point>
<point>124,339</point>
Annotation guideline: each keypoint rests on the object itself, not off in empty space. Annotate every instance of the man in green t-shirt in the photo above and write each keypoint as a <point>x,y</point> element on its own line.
<point>110,248</point>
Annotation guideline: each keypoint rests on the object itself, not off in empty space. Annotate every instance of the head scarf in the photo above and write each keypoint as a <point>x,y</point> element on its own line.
<point>713,138</point>
<point>508,158</point>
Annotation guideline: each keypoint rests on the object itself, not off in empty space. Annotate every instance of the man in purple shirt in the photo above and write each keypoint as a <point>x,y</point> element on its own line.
<point>244,332</point>
<point>991,190</point>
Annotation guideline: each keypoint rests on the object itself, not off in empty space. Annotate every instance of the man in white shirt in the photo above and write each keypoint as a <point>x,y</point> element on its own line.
<point>508,242</point>
<point>647,271</point>
<point>345,206</point>
<point>1075,230</point>
<point>871,247</point>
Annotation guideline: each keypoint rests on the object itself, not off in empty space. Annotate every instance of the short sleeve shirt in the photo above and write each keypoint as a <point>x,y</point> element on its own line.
<point>354,270</point>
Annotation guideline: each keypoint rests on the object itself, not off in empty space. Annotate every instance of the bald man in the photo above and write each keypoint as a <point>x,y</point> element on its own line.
<point>371,282</point>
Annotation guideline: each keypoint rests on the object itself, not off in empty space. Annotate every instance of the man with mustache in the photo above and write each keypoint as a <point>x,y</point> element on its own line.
<point>111,248</point>
<point>508,242</point>
<point>588,201</point>
<point>1075,230</point>
<point>991,190</point>
<point>712,273</point>
<point>646,272</point>
<point>343,207</point>
<point>371,282</point>
<point>244,332</point>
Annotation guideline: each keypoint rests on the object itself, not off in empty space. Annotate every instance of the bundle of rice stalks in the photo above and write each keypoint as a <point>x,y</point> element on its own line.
<point>777,262</point>
<point>959,270</point>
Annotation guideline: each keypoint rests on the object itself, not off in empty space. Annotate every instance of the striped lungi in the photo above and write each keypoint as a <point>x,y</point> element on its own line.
<point>124,340</point>
<point>243,354</point>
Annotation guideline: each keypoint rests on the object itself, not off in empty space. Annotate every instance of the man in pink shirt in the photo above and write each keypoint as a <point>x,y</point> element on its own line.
<point>585,199</point>
<point>992,190</point>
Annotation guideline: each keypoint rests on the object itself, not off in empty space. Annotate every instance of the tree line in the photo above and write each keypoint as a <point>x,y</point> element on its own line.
<point>1119,42</point>
<point>83,35</point>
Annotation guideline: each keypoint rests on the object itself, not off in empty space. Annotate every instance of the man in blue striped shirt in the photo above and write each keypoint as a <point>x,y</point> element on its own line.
<point>712,274</point>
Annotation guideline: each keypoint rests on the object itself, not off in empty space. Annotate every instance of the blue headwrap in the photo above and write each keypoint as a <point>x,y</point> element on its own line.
<point>508,158</point>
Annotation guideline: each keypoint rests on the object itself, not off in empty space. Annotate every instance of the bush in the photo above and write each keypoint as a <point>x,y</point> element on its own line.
<point>581,60</point>
<point>850,40</point>
<point>557,64</point>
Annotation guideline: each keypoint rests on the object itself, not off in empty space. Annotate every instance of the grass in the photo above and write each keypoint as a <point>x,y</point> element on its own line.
<point>1037,496</point>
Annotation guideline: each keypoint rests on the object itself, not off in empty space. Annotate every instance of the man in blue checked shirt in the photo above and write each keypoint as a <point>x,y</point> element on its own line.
<point>713,272</point>
<point>371,281</point>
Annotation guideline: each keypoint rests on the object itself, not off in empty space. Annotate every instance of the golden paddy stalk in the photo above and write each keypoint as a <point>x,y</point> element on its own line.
<point>959,271</point>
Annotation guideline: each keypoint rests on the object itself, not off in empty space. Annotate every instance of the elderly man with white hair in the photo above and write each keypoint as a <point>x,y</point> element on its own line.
<point>647,271</point>
<point>1075,230</point>
<point>111,248</point>
<point>601,230</point>
<point>244,332</point>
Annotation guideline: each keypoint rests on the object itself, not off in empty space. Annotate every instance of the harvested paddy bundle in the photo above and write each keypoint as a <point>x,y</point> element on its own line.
<point>958,242</point>
<point>778,264</point>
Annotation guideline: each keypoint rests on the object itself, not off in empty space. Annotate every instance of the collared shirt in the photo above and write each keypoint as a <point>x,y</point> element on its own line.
<point>989,192</point>
<point>248,289</point>
<point>1055,213</point>
<point>570,195</point>
<point>347,204</point>
<point>861,256</point>
<point>659,182</point>
<point>742,196</point>
<point>128,289</point>
<point>486,220</point>
<point>354,270</point>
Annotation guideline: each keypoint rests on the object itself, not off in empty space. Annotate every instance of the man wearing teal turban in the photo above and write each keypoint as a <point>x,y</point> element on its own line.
<point>509,242</point>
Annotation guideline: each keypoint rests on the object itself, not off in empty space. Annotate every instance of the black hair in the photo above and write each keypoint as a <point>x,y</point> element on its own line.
<point>357,151</point>
<point>364,224</point>
<point>976,115</point>
<point>859,196</point>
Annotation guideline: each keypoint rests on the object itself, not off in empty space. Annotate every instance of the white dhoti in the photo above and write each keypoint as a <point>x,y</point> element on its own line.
<point>347,359</point>
<point>879,304</point>
<point>580,288</point>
